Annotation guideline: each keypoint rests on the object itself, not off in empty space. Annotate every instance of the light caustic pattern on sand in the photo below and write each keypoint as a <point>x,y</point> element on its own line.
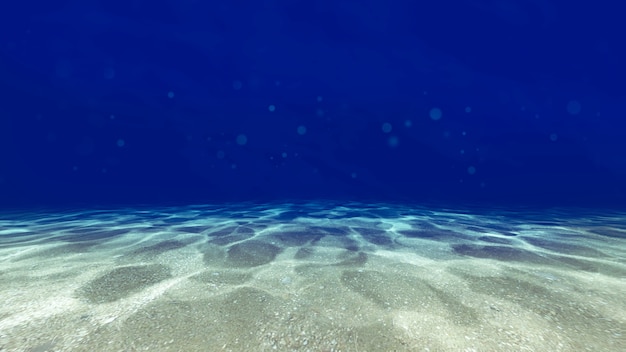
<point>316,277</point>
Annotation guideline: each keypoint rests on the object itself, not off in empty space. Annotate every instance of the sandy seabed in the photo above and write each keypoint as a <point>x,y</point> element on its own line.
<point>312,277</point>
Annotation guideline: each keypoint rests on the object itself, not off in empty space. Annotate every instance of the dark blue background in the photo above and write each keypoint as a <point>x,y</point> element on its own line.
<point>85,115</point>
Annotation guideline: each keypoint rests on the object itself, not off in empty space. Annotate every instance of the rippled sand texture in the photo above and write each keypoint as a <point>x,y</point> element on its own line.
<point>312,277</point>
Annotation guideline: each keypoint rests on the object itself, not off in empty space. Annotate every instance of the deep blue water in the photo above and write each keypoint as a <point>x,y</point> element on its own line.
<point>497,101</point>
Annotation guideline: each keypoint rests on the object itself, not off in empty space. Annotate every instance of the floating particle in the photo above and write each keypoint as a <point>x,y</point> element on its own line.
<point>242,139</point>
<point>435,114</point>
<point>393,141</point>
<point>574,107</point>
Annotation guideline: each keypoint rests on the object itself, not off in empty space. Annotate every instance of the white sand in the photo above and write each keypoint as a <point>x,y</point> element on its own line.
<point>210,284</point>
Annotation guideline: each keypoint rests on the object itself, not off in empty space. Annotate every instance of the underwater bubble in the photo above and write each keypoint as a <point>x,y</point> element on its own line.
<point>109,73</point>
<point>435,114</point>
<point>242,139</point>
<point>574,107</point>
<point>393,141</point>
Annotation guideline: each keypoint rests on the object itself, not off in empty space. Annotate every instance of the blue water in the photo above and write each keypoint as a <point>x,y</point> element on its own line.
<point>142,102</point>
<point>287,175</point>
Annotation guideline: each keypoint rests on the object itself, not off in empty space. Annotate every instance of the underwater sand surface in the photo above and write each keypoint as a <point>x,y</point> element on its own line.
<point>312,277</point>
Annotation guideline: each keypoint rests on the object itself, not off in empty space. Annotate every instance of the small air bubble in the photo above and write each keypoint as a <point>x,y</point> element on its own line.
<point>574,107</point>
<point>242,139</point>
<point>435,114</point>
<point>109,73</point>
